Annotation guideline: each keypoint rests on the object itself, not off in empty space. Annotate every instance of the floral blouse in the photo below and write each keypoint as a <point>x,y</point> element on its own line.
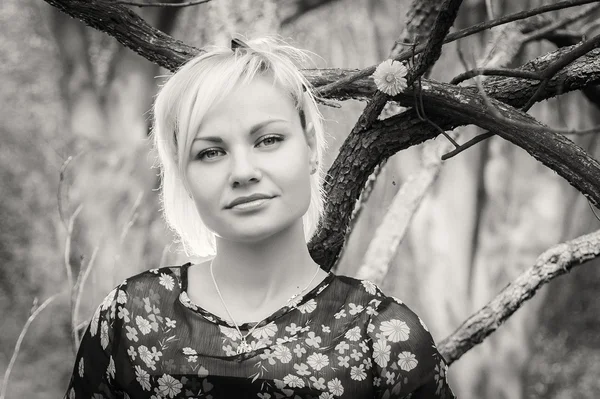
<point>343,339</point>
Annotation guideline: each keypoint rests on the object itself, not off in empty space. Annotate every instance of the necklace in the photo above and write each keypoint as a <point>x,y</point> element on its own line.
<point>244,347</point>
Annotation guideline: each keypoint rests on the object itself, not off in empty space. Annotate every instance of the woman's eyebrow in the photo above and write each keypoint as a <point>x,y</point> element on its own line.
<point>254,129</point>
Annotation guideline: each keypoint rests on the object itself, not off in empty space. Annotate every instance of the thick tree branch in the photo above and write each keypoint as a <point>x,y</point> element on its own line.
<point>147,4</point>
<point>130,30</point>
<point>554,262</point>
<point>451,106</point>
<point>433,47</point>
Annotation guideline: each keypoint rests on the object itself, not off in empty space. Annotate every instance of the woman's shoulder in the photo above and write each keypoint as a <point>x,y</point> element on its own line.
<point>166,277</point>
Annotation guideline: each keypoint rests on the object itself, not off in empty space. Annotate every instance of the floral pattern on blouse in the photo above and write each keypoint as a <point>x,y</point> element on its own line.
<point>343,339</point>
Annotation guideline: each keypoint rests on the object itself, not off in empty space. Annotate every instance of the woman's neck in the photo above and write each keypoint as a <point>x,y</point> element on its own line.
<point>258,273</point>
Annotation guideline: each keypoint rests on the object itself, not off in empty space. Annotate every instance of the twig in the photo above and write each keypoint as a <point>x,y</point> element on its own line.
<point>516,73</point>
<point>405,55</point>
<point>468,144</point>
<point>61,184</point>
<point>77,291</point>
<point>554,262</point>
<point>540,33</point>
<point>13,359</point>
<point>560,63</point>
<point>185,4</point>
<point>132,218</point>
<point>67,253</point>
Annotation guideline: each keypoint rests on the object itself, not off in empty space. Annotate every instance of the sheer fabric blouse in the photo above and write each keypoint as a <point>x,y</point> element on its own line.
<point>343,339</point>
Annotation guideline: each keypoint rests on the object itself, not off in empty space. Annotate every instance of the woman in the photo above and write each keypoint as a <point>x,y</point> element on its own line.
<point>239,139</point>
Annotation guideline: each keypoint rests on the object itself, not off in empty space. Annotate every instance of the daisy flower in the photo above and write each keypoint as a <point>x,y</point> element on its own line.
<point>390,77</point>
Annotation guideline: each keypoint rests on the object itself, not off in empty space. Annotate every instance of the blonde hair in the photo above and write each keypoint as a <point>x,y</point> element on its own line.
<point>186,97</point>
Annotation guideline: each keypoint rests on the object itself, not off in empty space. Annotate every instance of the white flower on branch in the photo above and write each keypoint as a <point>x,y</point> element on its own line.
<point>390,77</point>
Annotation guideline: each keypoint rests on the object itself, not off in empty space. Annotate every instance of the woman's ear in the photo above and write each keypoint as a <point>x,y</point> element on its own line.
<point>311,141</point>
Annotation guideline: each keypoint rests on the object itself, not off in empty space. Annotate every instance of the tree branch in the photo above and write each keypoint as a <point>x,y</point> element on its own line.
<point>145,4</point>
<point>554,262</point>
<point>130,30</point>
<point>447,105</point>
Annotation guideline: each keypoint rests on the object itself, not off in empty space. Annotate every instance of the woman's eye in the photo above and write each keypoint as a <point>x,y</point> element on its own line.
<point>208,154</point>
<point>270,140</point>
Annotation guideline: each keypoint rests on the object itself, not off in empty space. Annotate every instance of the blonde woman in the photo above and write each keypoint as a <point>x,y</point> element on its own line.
<point>239,138</point>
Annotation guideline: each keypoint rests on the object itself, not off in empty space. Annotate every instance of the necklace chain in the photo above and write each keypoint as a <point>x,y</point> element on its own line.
<point>243,346</point>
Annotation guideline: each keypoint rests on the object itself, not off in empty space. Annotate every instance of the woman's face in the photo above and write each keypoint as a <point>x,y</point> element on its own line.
<point>251,143</point>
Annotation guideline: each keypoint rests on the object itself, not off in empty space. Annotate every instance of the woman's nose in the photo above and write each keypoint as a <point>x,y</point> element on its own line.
<point>243,170</point>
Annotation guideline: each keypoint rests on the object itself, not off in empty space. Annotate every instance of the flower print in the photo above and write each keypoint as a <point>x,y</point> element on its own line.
<point>147,305</point>
<point>353,334</point>
<point>322,288</point>
<point>326,395</point>
<point>343,361</point>
<point>171,323</point>
<point>355,309</point>
<point>81,367</point>
<point>313,340</point>
<point>395,330</point>
<point>143,378</point>
<point>186,301</point>
<point>299,350</point>
<point>131,334</point>
<point>317,361</point>
<point>147,356</point>
<point>381,352</point>
<point>358,372</point>
<point>371,311</point>
<point>110,371</point>
<point>143,325</point>
<point>342,347</point>
<point>283,353</point>
<point>285,339</point>
<point>368,363</point>
<point>423,324</point>
<point>104,334</point>
<point>169,386</point>
<point>230,333</point>
<point>155,271</point>
<point>121,297</point>
<point>390,77</point>
<point>370,327</point>
<point>369,286</point>
<point>293,381</point>
<point>72,394</point>
<point>390,375</point>
<point>318,383</point>
<point>264,395</point>
<point>308,307</point>
<point>407,361</point>
<point>363,346</point>
<point>259,344</point>
<point>108,299</point>
<point>94,322</point>
<point>265,331</point>
<point>132,353</point>
<point>123,314</point>
<point>192,359</point>
<point>356,355</point>
<point>325,328</point>
<point>294,301</point>
<point>268,355</point>
<point>166,281</point>
<point>341,313</point>
<point>376,381</point>
<point>229,350</point>
<point>293,329</point>
<point>397,300</point>
<point>189,351</point>
<point>335,387</point>
<point>301,369</point>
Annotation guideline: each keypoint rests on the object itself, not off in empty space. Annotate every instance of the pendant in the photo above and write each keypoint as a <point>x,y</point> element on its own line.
<point>243,347</point>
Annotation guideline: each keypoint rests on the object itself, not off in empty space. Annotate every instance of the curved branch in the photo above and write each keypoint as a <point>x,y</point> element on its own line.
<point>451,106</point>
<point>130,30</point>
<point>554,262</point>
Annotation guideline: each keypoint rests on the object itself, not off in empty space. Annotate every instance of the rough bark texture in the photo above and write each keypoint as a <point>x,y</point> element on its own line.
<point>554,262</point>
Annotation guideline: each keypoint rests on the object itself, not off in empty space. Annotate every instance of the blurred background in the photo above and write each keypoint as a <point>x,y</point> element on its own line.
<point>71,91</point>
